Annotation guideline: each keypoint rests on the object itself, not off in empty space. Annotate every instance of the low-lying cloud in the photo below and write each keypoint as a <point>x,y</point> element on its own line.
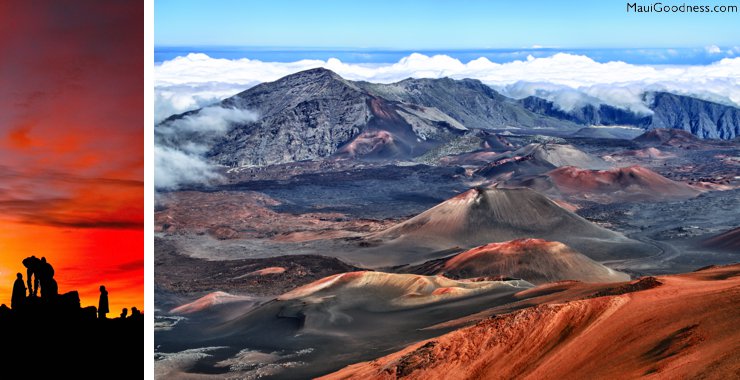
<point>567,79</point>
<point>211,120</point>
<point>179,98</point>
<point>173,168</point>
<point>180,145</point>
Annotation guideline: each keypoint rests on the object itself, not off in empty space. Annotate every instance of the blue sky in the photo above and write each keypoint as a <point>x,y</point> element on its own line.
<point>434,24</point>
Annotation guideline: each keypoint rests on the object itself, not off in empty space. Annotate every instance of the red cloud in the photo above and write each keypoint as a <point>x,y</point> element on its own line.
<point>71,141</point>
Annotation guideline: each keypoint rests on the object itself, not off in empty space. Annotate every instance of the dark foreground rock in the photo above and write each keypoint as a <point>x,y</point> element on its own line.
<point>59,339</point>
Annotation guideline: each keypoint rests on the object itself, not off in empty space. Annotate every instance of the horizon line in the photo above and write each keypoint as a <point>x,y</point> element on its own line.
<point>396,49</point>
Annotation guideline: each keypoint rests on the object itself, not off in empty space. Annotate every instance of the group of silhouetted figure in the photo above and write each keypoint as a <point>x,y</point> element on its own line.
<point>47,329</point>
<point>41,283</point>
<point>39,276</point>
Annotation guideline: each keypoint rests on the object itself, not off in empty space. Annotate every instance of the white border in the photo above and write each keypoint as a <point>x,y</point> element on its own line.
<point>149,189</point>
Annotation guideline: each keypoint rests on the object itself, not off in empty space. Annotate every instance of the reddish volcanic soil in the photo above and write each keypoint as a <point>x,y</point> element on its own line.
<point>566,205</point>
<point>680,326</point>
<point>367,142</point>
<point>267,271</point>
<point>246,214</point>
<point>634,183</point>
<point>535,260</point>
<point>208,301</point>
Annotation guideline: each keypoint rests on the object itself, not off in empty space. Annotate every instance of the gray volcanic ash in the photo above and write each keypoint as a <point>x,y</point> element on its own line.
<point>562,155</point>
<point>536,159</point>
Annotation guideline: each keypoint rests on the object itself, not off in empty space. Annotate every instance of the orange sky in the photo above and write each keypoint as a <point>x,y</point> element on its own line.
<point>71,145</point>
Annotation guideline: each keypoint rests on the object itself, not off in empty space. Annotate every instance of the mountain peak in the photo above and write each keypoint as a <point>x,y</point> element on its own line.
<point>481,216</point>
<point>318,76</point>
<point>315,74</point>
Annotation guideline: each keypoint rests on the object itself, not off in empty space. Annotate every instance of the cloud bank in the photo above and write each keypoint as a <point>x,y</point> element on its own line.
<point>569,80</point>
<point>180,145</point>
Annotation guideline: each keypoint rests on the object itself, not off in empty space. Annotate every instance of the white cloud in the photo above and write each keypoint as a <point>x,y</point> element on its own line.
<point>210,120</point>
<point>713,49</point>
<point>174,168</point>
<point>196,79</point>
<point>180,145</point>
<point>179,98</point>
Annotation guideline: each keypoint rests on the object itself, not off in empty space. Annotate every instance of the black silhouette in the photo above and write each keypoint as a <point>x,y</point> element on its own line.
<point>103,303</point>
<point>45,274</point>
<point>53,333</point>
<point>32,264</point>
<point>124,312</point>
<point>135,313</point>
<point>53,288</point>
<point>19,293</point>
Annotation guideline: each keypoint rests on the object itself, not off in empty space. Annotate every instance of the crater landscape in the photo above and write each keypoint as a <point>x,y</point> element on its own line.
<point>431,227</point>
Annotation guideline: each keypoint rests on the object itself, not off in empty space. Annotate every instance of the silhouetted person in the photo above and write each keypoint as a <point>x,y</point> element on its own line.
<point>32,265</point>
<point>124,313</point>
<point>135,313</point>
<point>19,293</point>
<point>45,274</point>
<point>103,303</point>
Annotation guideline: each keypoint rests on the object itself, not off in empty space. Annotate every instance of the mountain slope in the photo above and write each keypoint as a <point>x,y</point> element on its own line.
<point>667,137</point>
<point>378,291</point>
<point>701,118</point>
<point>534,260</point>
<point>603,114</point>
<point>334,320</point>
<point>482,216</point>
<point>634,183</point>
<point>728,240</point>
<point>538,158</point>
<point>316,114</point>
<point>562,155</point>
<point>468,101</point>
<point>683,326</point>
